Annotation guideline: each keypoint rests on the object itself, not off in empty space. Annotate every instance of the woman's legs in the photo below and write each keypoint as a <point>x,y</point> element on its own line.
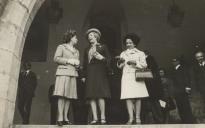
<point>94,109</point>
<point>102,111</point>
<point>61,104</point>
<point>102,108</point>
<point>138,110</point>
<point>130,110</point>
<point>66,109</point>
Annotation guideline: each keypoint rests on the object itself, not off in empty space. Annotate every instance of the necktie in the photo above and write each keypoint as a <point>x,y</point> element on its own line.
<point>24,74</point>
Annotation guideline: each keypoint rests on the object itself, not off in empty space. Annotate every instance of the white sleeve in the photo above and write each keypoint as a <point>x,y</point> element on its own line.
<point>141,62</point>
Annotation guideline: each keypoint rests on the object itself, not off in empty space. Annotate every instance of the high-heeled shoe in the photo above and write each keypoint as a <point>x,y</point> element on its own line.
<point>67,122</point>
<point>138,121</point>
<point>94,122</point>
<point>130,122</point>
<point>103,121</point>
<point>59,123</point>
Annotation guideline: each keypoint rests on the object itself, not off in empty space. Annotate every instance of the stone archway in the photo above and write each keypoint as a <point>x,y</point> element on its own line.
<point>15,21</point>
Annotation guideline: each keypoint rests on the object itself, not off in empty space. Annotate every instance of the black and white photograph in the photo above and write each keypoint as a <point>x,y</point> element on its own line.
<point>102,63</point>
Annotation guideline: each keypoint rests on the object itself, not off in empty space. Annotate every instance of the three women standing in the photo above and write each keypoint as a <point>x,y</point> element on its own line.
<point>132,91</point>
<point>67,58</point>
<point>96,62</point>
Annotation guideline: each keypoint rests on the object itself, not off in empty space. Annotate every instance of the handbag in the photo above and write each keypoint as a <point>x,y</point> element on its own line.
<point>143,74</point>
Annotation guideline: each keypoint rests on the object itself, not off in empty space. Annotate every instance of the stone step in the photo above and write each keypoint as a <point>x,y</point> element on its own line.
<point>115,126</point>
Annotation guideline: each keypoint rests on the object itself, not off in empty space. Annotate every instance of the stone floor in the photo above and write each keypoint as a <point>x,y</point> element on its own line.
<point>113,126</point>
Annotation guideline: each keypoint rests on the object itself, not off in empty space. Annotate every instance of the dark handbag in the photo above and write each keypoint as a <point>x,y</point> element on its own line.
<point>143,74</point>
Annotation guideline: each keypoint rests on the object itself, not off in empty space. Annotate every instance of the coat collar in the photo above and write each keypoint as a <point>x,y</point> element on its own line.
<point>70,48</point>
<point>134,50</point>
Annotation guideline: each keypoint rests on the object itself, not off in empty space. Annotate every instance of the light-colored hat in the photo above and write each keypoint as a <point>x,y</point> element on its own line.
<point>93,30</point>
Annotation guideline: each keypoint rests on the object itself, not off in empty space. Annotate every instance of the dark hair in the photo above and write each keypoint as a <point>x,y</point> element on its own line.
<point>68,35</point>
<point>27,64</point>
<point>134,37</point>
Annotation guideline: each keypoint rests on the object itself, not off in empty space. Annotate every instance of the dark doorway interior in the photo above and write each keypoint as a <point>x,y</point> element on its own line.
<point>36,43</point>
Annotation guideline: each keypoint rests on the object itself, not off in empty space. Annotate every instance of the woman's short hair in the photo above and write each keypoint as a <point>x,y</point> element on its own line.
<point>134,37</point>
<point>96,33</point>
<point>68,35</point>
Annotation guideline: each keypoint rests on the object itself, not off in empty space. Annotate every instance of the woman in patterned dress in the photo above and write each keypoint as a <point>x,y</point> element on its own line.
<point>132,91</point>
<point>67,58</point>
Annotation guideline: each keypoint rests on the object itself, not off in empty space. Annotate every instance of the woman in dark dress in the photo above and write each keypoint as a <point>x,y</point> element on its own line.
<point>96,62</point>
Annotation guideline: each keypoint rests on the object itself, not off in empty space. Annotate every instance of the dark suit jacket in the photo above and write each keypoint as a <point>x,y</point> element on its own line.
<point>181,80</point>
<point>198,77</point>
<point>103,50</point>
<point>154,86</point>
<point>27,84</point>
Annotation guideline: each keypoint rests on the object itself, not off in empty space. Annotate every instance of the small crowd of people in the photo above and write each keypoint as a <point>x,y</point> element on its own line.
<point>162,92</point>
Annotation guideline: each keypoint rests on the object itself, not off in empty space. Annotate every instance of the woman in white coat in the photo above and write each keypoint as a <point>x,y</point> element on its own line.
<point>132,91</point>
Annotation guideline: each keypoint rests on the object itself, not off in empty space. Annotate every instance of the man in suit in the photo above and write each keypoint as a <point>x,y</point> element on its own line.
<point>198,73</point>
<point>26,87</point>
<point>181,83</point>
<point>155,91</point>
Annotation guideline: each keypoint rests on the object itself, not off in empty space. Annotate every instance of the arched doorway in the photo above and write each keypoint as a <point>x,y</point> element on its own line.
<point>111,36</point>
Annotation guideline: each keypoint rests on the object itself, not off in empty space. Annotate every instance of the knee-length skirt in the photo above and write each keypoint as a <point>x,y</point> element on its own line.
<point>65,86</point>
<point>130,88</point>
<point>97,84</point>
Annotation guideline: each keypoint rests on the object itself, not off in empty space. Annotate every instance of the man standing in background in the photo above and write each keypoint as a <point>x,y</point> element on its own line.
<point>26,87</point>
<point>198,73</point>
<point>181,83</point>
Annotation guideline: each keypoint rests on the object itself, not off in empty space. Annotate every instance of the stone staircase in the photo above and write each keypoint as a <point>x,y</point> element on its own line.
<point>114,126</point>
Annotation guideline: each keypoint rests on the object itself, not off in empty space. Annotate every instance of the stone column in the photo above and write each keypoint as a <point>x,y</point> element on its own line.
<point>14,24</point>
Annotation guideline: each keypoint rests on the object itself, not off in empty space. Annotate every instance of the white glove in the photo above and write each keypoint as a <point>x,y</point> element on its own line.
<point>73,62</point>
<point>76,62</point>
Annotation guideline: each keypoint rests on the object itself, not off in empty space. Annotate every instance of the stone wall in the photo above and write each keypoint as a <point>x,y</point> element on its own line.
<point>14,23</point>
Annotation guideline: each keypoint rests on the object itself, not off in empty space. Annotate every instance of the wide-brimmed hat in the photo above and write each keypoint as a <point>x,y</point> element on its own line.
<point>93,30</point>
